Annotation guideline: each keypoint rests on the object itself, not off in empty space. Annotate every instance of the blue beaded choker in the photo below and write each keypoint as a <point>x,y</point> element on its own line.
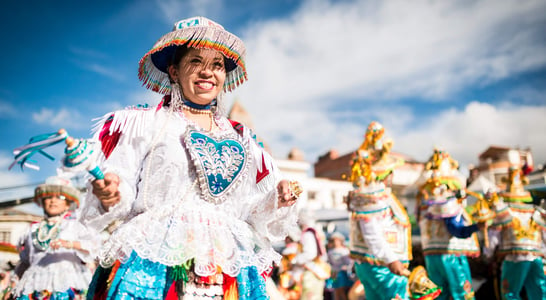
<point>199,106</point>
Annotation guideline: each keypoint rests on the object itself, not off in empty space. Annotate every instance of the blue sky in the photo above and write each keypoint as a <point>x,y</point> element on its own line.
<point>462,75</point>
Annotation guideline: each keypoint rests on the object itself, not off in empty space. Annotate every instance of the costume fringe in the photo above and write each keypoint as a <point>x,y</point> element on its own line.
<point>129,122</point>
<point>265,178</point>
<point>230,288</point>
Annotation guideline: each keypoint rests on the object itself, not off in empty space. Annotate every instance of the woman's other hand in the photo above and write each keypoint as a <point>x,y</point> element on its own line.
<point>58,244</point>
<point>107,190</point>
<point>289,192</point>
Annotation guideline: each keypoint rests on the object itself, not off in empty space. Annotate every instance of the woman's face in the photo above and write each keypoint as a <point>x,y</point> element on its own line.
<point>201,74</point>
<point>55,205</point>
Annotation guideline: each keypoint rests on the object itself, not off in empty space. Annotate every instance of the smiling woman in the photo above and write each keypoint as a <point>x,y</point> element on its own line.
<point>192,201</point>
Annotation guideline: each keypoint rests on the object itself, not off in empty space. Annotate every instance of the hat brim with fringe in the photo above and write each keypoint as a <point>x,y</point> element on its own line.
<point>44,191</point>
<point>199,33</point>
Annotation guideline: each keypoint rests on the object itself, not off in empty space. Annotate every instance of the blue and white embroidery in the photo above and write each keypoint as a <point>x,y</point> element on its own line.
<point>219,163</point>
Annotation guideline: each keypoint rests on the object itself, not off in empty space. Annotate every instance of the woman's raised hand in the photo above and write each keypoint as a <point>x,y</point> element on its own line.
<point>107,190</point>
<point>289,192</point>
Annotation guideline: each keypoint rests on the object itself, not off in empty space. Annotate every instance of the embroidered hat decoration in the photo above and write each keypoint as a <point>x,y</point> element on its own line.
<point>200,33</point>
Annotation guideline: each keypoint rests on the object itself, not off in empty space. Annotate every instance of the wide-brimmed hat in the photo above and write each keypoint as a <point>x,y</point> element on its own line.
<point>196,32</point>
<point>57,186</point>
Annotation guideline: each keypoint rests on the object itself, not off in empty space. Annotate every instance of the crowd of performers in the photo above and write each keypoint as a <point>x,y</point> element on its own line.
<point>186,204</point>
<point>512,229</point>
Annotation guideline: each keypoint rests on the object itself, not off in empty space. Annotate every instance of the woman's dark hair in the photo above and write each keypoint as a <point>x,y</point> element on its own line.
<point>181,50</point>
<point>178,54</point>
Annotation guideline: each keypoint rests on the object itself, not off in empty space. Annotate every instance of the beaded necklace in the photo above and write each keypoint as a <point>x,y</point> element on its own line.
<point>197,111</point>
<point>47,231</point>
<point>200,109</point>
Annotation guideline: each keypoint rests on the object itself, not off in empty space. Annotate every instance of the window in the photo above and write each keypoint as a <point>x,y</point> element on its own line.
<point>5,236</point>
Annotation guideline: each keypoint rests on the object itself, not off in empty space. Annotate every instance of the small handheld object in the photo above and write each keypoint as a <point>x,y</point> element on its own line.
<point>295,189</point>
<point>80,154</point>
<point>420,286</point>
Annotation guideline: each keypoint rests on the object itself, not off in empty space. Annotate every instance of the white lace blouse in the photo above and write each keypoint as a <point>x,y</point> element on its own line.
<point>190,194</point>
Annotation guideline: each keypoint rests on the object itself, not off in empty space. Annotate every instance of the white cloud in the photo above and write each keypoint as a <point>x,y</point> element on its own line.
<point>467,133</point>
<point>62,118</point>
<point>172,10</point>
<point>391,49</point>
<point>464,133</point>
<point>354,52</point>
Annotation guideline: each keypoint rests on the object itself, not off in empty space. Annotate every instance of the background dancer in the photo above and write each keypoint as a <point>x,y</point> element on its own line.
<point>55,251</point>
<point>518,235</point>
<point>447,231</point>
<point>380,238</point>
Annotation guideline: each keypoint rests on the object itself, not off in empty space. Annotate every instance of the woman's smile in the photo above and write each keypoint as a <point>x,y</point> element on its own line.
<point>205,85</point>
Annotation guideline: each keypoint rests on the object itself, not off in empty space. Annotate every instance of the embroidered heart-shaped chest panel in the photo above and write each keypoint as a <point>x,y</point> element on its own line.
<point>219,163</point>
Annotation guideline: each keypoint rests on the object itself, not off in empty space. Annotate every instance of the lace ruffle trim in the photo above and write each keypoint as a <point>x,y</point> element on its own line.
<point>211,239</point>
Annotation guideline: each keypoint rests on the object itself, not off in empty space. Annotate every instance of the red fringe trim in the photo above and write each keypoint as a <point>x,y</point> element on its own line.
<point>230,288</point>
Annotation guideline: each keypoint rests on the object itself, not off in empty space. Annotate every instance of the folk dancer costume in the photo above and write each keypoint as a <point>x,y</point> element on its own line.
<point>311,261</point>
<point>380,229</point>
<point>198,210</point>
<point>518,234</point>
<point>62,273</point>
<point>447,230</point>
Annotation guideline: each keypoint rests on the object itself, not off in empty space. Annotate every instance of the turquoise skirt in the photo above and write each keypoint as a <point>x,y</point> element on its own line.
<point>67,295</point>
<point>140,278</point>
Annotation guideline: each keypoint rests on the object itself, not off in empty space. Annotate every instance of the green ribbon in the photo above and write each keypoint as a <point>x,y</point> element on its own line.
<point>180,272</point>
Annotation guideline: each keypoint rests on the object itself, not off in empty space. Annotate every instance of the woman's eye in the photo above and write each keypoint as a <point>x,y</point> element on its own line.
<point>218,65</point>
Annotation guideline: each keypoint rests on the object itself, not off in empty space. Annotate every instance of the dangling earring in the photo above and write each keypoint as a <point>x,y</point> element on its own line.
<point>213,106</point>
<point>219,108</point>
<point>176,97</point>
